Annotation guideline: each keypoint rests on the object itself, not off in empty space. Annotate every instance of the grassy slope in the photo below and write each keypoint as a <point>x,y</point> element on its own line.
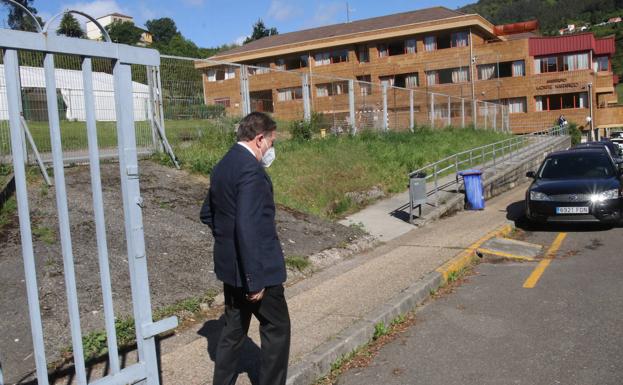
<point>314,176</point>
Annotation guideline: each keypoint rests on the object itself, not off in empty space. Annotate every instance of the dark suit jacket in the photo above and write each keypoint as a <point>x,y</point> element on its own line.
<point>240,210</point>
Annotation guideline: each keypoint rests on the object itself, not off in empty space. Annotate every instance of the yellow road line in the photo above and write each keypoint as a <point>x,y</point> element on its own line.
<point>540,268</point>
<point>505,255</point>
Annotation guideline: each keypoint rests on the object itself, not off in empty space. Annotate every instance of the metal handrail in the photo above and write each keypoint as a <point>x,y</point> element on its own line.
<point>481,157</point>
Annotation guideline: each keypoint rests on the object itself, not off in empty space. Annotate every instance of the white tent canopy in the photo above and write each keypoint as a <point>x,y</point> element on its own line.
<point>69,82</point>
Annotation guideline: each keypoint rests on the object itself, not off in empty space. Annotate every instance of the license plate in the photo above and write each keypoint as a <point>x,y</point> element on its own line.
<point>571,210</point>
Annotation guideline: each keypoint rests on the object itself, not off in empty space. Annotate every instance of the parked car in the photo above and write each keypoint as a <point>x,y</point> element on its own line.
<point>618,141</point>
<point>613,149</point>
<point>577,185</point>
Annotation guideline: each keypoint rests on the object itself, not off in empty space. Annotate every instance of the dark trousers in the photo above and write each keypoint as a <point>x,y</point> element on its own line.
<point>272,313</point>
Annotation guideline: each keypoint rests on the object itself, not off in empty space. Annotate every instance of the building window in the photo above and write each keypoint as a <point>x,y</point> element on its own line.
<point>363,54</point>
<point>322,58</point>
<point>337,56</point>
<point>430,43</point>
<point>398,47</point>
<point>222,102</point>
<point>292,62</point>
<point>459,39</point>
<point>259,68</point>
<point>575,62</point>
<point>501,70</point>
<point>601,63</point>
<point>410,46</point>
<point>330,89</point>
<point>280,64</point>
<point>285,94</point>
<point>561,63</point>
<point>230,73</point>
<point>387,81</point>
<point>432,78</point>
<point>515,105</point>
<point>221,74</point>
<point>365,84</point>
<point>409,80</point>
<point>519,68</point>
<point>561,101</point>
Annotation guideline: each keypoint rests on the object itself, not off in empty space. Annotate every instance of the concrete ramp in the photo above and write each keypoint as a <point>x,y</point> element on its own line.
<point>497,249</point>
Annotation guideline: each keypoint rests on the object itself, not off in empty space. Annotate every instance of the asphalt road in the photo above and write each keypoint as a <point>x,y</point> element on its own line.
<point>567,329</point>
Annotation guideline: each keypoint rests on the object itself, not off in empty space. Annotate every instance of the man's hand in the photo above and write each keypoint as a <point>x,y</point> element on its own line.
<point>255,297</point>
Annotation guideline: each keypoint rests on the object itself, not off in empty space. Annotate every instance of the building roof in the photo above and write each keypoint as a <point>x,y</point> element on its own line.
<point>115,14</point>
<point>335,30</point>
<point>571,43</point>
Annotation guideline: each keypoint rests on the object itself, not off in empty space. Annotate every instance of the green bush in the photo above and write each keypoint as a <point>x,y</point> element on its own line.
<point>191,109</point>
<point>576,134</point>
<point>301,130</point>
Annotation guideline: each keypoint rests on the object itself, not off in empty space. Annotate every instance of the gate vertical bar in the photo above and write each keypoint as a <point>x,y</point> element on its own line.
<point>63,218</point>
<point>449,112</point>
<point>132,202</point>
<point>159,94</point>
<point>13,90</point>
<point>385,114</point>
<point>244,91</point>
<point>151,103</point>
<point>486,113</point>
<point>411,112</point>
<point>98,209</point>
<point>351,105</point>
<point>306,99</point>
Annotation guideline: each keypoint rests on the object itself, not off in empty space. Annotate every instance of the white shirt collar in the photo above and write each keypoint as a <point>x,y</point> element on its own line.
<point>248,148</point>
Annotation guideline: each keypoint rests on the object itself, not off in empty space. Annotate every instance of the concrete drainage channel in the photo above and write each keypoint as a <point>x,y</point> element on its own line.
<point>8,188</point>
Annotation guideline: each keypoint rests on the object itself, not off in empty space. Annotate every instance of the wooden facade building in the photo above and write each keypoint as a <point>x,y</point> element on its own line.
<point>434,50</point>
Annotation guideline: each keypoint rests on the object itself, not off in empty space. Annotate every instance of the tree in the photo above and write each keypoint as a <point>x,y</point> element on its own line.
<point>20,20</point>
<point>124,32</point>
<point>260,31</point>
<point>70,27</point>
<point>162,29</point>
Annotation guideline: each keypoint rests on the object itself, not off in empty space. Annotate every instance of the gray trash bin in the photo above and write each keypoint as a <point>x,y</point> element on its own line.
<point>417,193</point>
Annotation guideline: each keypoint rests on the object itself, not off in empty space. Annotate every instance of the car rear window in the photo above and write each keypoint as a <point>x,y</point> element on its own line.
<point>577,166</point>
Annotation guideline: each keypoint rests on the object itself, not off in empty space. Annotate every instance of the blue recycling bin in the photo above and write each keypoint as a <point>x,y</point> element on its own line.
<point>474,193</point>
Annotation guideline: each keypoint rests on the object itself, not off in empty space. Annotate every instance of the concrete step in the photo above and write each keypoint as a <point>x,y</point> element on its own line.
<point>497,249</point>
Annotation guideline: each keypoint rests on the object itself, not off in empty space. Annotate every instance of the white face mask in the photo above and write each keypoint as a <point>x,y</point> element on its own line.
<point>268,157</point>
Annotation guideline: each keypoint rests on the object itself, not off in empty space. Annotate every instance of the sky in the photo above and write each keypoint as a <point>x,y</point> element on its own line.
<point>211,23</point>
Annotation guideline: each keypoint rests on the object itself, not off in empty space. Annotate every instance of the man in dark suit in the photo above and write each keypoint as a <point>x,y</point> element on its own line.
<point>240,210</point>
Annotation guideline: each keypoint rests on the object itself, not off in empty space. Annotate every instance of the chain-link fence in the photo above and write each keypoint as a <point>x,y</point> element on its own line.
<point>70,98</point>
<point>188,97</point>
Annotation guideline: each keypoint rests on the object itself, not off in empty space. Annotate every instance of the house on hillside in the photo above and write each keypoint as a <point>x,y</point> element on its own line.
<point>94,33</point>
<point>614,20</point>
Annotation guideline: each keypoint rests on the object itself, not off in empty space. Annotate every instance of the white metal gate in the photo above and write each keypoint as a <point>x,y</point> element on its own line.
<point>121,57</point>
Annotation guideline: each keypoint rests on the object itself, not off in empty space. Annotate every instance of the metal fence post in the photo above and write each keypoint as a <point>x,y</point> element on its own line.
<point>13,90</point>
<point>385,114</point>
<point>462,113</point>
<point>306,98</point>
<point>436,186</point>
<point>474,112</point>
<point>486,113</point>
<point>432,110</point>
<point>495,116</point>
<point>411,112</point>
<point>150,108</point>
<point>245,99</point>
<point>449,112</point>
<point>351,105</point>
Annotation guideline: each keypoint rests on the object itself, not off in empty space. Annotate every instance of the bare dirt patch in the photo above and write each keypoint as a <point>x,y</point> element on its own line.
<point>179,254</point>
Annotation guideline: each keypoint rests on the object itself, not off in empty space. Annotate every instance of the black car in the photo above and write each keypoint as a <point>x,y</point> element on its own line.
<point>613,149</point>
<point>577,185</point>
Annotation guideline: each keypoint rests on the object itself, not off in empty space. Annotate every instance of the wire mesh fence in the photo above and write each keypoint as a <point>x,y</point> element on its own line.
<point>190,97</point>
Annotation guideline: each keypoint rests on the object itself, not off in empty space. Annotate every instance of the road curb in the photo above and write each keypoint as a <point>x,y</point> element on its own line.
<point>465,258</point>
<point>318,362</point>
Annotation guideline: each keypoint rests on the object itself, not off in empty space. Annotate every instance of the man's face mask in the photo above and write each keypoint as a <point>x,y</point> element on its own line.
<point>269,156</point>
